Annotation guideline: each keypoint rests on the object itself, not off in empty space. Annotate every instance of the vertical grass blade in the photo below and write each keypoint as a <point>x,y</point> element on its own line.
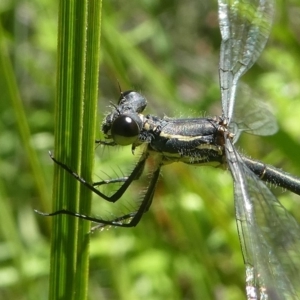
<point>88,138</point>
<point>75,115</point>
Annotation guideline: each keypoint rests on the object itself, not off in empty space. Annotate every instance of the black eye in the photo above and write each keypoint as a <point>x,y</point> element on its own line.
<point>125,130</point>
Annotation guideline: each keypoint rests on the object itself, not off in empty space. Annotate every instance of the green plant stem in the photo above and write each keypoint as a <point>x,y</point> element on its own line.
<point>75,118</point>
<point>89,129</point>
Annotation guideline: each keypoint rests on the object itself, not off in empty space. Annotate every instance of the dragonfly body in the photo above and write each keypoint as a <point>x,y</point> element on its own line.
<point>269,235</point>
<point>192,140</point>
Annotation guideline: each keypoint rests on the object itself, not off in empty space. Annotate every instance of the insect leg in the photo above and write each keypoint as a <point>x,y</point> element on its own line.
<point>118,194</point>
<point>134,217</point>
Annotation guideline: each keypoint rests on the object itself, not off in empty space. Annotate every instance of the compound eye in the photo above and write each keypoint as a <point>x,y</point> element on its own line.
<point>124,131</point>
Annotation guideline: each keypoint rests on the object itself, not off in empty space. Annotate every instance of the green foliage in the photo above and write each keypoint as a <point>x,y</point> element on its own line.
<point>186,246</point>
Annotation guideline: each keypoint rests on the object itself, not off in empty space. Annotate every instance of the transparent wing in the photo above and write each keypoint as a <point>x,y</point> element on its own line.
<point>251,114</point>
<point>269,236</point>
<point>245,27</point>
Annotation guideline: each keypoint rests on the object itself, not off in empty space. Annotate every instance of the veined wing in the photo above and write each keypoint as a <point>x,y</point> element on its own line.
<point>245,27</point>
<point>251,114</point>
<point>269,236</point>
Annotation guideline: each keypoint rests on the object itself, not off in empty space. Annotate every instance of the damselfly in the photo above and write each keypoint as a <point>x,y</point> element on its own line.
<point>269,235</point>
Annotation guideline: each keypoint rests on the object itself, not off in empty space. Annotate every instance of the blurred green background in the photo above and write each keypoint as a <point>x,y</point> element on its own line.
<point>186,246</point>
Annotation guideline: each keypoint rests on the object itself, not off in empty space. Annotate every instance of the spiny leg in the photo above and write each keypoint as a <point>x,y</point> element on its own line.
<point>147,201</point>
<point>108,181</point>
<point>134,217</point>
<point>120,179</point>
<point>135,174</point>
